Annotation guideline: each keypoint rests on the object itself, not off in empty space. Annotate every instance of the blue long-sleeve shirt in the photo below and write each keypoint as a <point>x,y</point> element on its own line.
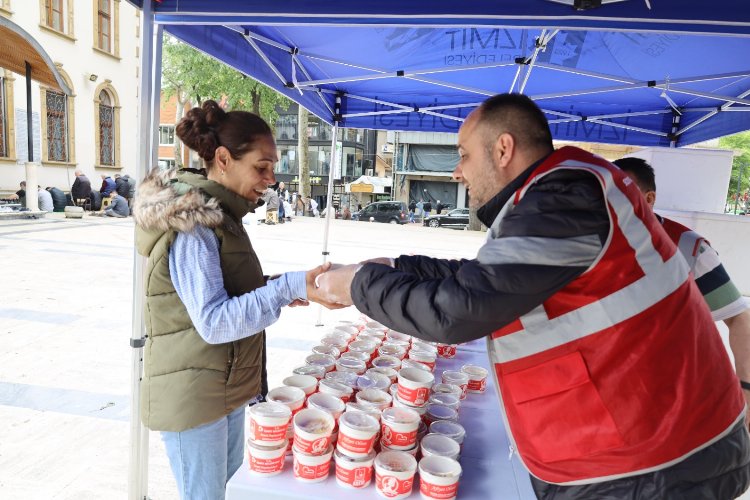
<point>218,317</point>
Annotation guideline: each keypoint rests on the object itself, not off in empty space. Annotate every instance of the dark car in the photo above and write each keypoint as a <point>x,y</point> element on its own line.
<point>394,212</point>
<point>456,218</point>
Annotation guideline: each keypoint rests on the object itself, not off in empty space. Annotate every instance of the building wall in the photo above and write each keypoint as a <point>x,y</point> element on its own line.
<point>75,51</point>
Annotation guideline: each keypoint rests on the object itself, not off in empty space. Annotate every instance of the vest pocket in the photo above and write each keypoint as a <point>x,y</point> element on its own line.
<point>558,412</point>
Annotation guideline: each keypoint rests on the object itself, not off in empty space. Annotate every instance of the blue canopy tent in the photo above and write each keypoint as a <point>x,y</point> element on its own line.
<point>642,72</point>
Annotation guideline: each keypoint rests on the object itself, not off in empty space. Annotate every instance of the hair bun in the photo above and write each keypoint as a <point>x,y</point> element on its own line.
<point>197,129</point>
<point>214,114</point>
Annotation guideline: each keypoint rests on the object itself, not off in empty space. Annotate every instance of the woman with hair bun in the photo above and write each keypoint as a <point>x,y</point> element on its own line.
<point>207,301</point>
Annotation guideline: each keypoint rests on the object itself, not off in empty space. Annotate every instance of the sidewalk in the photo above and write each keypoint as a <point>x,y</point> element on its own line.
<point>65,323</point>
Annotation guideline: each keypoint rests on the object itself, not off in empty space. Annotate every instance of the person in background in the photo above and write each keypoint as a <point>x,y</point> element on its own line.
<point>346,214</point>
<point>721,295</point>
<point>20,194</point>
<point>272,206</point>
<point>108,184</point>
<point>45,200</point>
<point>207,301</point>
<point>121,184</point>
<point>314,207</point>
<point>412,208</point>
<point>439,208</point>
<point>283,194</point>
<point>613,379</point>
<point>420,210</point>
<point>427,207</point>
<point>299,205</point>
<point>81,189</point>
<point>118,206</point>
<point>59,200</point>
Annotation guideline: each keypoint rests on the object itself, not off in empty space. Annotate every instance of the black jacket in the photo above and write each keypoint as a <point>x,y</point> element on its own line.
<point>81,187</point>
<point>121,184</point>
<point>59,200</point>
<point>455,301</point>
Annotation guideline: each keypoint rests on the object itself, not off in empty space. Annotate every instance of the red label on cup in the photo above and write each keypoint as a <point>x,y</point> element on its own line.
<point>477,385</point>
<point>417,396</point>
<point>262,433</point>
<point>438,492</point>
<point>266,465</point>
<point>446,351</point>
<point>394,438</point>
<point>391,486</point>
<point>464,388</point>
<point>358,478</point>
<point>316,447</point>
<point>353,444</point>
<point>311,471</point>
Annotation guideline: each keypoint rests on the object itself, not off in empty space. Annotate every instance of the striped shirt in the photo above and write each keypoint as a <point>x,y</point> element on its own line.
<point>217,317</point>
<point>722,296</point>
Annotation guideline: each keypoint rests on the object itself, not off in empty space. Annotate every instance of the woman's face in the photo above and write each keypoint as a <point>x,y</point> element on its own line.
<point>251,175</point>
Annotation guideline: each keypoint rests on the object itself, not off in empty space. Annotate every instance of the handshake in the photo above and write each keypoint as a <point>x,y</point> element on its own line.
<point>330,284</point>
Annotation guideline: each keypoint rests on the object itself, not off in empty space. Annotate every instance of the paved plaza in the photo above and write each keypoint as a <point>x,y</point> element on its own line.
<point>65,319</point>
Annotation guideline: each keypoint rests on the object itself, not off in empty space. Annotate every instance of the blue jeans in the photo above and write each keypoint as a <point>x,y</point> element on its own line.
<point>205,457</point>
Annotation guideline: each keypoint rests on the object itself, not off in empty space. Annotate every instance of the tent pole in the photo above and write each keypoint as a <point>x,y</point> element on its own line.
<point>329,195</point>
<point>150,71</point>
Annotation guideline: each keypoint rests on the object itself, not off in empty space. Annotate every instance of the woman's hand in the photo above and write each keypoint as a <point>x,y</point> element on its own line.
<point>314,293</point>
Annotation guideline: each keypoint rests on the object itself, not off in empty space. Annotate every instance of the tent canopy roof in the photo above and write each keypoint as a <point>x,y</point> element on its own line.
<point>621,73</point>
<point>17,47</point>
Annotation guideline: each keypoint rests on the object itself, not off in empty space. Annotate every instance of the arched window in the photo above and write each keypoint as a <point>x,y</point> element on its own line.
<point>58,123</point>
<point>106,129</point>
<point>107,125</point>
<point>57,126</point>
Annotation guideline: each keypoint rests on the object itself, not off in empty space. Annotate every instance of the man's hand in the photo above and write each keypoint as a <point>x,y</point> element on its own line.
<point>335,285</point>
<point>314,294</point>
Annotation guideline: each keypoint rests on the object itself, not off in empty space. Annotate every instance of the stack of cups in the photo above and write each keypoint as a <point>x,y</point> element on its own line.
<point>399,428</point>
<point>394,474</point>
<point>312,445</point>
<point>292,397</point>
<point>438,478</point>
<point>267,443</point>
<point>453,430</point>
<point>354,449</point>
<point>460,379</point>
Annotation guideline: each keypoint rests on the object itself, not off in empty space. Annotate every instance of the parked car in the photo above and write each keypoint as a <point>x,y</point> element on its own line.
<point>394,212</point>
<point>456,218</point>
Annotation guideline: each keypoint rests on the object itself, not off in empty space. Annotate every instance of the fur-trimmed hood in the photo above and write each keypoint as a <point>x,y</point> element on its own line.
<point>163,203</point>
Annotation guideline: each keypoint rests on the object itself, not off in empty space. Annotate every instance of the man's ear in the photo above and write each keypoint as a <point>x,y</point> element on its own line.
<point>504,149</point>
<point>650,198</point>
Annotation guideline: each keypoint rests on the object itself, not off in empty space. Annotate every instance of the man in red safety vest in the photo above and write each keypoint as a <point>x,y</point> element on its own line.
<point>613,380</point>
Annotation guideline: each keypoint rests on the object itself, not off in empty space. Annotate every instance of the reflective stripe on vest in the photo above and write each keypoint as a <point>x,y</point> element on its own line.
<point>660,280</point>
<point>686,239</point>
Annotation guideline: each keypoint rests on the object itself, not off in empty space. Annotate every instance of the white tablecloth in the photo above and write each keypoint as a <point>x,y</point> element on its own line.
<point>488,471</point>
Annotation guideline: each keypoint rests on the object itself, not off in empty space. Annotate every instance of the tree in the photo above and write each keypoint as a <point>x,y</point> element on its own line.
<point>195,77</point>
<point>740,143</point>
<point>305,190</point>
